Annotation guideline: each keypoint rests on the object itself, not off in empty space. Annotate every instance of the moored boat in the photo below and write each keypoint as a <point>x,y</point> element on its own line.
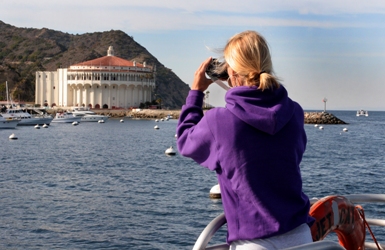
<point>94,118</point>
<point>66,117</point>
<point>88,115</point>
<point>8,122</point>
<point>27,119</point>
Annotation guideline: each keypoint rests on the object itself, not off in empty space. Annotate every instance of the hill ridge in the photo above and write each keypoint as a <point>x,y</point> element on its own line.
<point>23,51</point>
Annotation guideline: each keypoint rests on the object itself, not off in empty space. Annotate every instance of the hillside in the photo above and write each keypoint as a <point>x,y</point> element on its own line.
<point>23,51</point>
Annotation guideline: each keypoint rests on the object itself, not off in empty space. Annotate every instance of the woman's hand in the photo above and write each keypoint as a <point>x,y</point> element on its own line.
<point>201,82</point>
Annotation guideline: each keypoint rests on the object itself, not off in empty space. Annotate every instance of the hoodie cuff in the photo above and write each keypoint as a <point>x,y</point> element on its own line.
<point>195,98</point>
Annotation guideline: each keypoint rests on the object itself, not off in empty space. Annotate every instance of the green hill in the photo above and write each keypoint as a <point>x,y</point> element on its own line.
<point>23,51</point>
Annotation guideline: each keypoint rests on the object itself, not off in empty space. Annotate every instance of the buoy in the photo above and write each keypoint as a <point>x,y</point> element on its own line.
<point>75,123</point>
<point>345,130</point>
<point>156,120</point>
<point>13,137</point>
<point>316,125</point>
<point>37,126</point>
<point>215,192</point>
<point>170,151</point>
<point>45,126</point>
<point>101,121</point>
<point>176,136</point>
<point>121,120</point>
<point>156,127</point>
<point>321,127</point>
<point>162,119</point>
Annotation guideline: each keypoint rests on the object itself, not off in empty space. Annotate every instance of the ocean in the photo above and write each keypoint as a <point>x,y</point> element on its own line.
<point>111,186</point>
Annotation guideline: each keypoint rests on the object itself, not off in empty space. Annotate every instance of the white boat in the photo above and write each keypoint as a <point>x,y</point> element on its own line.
<point>94,118</point>
<point>66,117</point>
<point>362,113</point>
<point>88,115</point>
<point>26,119</point>
<point>8,122</point>
<point>339,214</point>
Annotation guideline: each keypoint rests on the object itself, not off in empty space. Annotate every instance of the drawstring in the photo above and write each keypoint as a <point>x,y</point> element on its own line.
<point>362,215</point>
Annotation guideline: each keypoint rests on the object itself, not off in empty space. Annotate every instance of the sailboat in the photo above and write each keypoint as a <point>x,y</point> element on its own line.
<point>25,118</point>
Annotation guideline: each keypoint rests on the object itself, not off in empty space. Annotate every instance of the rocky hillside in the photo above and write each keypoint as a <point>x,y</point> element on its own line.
<point>23,51</point>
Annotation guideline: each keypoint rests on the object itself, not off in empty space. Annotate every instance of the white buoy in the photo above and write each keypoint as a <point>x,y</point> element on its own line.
<point>215,192</point>
<point>161,120</point>
<point>345,130</point>
<point>316,125</point>
<point>176,136</point>
<point>13,137</point>
<point>45,126</point>
<point>170,151</point>
<point>156,120</point>
<point>37,126</point>
<point>75,123</point>
<point>121,120</point>
<point>156,127</point>
<point>321,127</point>
<point>101,121</point>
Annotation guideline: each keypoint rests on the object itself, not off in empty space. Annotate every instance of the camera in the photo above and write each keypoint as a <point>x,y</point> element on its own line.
<point>212,70</point>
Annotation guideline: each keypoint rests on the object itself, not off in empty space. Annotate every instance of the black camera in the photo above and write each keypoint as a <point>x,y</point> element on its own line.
<point>213,73</point>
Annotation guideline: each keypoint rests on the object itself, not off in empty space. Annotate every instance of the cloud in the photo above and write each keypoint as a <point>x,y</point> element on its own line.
<point>319,7</point>
<point>158,16</point>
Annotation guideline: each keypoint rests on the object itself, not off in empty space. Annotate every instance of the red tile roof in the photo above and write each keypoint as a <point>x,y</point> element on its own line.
<point>109,61</point>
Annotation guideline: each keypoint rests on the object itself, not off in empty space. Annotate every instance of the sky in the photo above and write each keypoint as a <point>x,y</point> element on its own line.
<point>320,49</point>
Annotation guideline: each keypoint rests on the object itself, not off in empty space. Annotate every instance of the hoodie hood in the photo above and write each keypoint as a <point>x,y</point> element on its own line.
<point>268,111</point>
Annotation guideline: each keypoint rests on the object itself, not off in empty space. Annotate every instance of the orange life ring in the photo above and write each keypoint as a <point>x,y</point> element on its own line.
<point>338,214</point>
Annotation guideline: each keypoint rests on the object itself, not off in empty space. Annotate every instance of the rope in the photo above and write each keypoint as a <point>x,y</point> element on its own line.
<point>362,215</point>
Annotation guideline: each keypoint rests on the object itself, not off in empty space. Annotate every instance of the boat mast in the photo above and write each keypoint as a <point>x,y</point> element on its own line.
<point>6,90</point>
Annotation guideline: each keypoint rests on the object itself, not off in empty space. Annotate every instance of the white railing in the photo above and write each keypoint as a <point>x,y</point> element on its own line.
<point>206,235</point>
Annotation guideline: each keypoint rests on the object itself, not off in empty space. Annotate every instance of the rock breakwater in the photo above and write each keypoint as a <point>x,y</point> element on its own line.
<point>154,114</point>
<point>322,118</point>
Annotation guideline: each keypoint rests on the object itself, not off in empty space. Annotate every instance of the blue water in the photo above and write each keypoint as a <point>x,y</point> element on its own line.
<point>110,186</point>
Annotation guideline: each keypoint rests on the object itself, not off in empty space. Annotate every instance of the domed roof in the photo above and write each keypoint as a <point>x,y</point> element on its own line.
<point>109,61</point>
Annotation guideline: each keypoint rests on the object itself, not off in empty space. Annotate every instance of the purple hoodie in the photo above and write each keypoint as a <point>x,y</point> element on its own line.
<point>255,144</point>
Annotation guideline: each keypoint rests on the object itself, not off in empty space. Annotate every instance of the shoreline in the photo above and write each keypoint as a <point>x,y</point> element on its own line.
<point>309,117</point>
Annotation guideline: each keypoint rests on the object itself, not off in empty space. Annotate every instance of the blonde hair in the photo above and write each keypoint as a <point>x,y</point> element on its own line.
<point>248,54</point>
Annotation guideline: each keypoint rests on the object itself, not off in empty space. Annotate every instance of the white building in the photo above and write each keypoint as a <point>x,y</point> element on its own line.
<point>105,82</point>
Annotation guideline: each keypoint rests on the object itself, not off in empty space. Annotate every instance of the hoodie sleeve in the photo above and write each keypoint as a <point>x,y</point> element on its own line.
<point>195,139</point>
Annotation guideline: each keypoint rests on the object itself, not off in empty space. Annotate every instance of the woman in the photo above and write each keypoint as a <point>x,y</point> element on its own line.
<point>255,144</point>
